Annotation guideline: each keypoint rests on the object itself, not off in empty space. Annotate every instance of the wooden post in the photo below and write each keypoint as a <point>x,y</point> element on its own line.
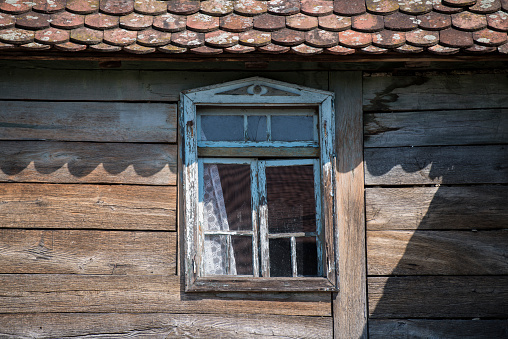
<point>350,303</point>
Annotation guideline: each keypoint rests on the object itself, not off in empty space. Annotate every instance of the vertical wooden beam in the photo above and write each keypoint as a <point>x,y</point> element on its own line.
<point>350,303</point>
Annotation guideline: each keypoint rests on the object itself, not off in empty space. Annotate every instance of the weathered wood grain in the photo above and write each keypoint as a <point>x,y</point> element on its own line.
<point>432,208</point>
<point>426,92</point>
<point>463,127</point>
<point>436,165</point>
<point>129,85</point>
<point>349,306</point>
<point>77,206</point>
<point>437,253</point>
<point>438,297</point>
<point>88,121</point>
<point>25,293</point>
<point>157,325</point>
<point>427,328</point>
<point>87,252</point>
<point>77,162</point>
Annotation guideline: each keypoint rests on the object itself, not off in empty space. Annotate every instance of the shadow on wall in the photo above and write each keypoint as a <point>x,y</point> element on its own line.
<point>437,245</point>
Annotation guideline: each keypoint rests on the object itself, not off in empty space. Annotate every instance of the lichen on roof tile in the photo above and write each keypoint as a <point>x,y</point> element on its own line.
<point>422,38</point>
<point>408,49</point>
<point>443,50</point>
<point>136,22</point>
<point>117,7</point>
<point>153,38</point>
<point>340,50</point>
<point>103,47</point>
<point>15,6</point>
<point>335,23</point>
<point>503,48</point>
<point>274,49</point>
<point>400,22</point>
<point>388,39</point>
<point>239,49</point>
<point>236,23</point>
<point>7,20</point>
<point>382,6</point>
<point>498,21</point>
<point>283,7</point>
<point>70,47</point>
<point>374,50</point>
<point>367,23</point>
<point>415,7</point>
<point>459,2</point>
<point>221,39</point>
<point>250,7</point>
<point>16,36</point>
<point>49,6</point>
<point>172,49</point>
<point>52,36</point>
<point>183,7</point>
<point>188,39</point>
<point>120,37</point>
<point>442,8</point>
<point>200,22</point>
<point>86,36</point>
<point>33,20</point>
<point>301,22</point>
<point>304,49</point>
<point>468,21</point>
<point>150,7</point>
<point>138,49</point>
<point>217,7</point>
<point>354,39</point>
<point>317,7</point>
<point>83,6</point>
<point>102,21</point>
<point>479,49</point>
<point>349,7</point>
<point>66,20</point>
<point>488,37</point>
<point>34,46</point>
<point>321,38</point>
<point>434,21</point>
<point>486,6</point>
<point>288,37</point>
<point>255,38</point>
<point>170,22</point>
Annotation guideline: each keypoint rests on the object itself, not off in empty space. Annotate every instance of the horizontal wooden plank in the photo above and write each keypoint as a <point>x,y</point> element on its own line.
<point>129,85</point>
<point>25,293</point>
<point>436,165</point>
<point>87,252</point>
<point>74,206</point>
<point>428,128</point>
<point>438,297</point>
<point>437,252</point>
<point>429,92</point>
<point>427,328</point>
<point>77,162</point>
<point>88,121</point>
<point>156,325</point>
<point>432,208</point>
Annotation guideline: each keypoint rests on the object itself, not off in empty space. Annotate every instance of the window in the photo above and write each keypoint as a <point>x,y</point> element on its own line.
<point>258,187</point>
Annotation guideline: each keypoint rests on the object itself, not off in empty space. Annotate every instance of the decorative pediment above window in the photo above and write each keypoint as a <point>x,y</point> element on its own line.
<point>256,90</point>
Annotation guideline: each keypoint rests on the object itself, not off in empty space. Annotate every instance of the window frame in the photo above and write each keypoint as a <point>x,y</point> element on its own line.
<point>254,92</point>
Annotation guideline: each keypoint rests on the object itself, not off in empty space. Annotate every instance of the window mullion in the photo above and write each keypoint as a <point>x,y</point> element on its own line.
<point>263,220</point>
<point>293,257</point>
<point>255,217</point>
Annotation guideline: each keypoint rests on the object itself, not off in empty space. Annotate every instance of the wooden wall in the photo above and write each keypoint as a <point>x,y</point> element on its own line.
<point>88,212</point>
<point>436,159</point>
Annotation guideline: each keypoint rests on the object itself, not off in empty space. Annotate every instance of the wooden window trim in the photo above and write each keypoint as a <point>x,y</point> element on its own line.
<point>243,93</point>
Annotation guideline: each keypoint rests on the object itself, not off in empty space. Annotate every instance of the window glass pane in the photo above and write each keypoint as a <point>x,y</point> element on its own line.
<point>290,199</point>
<point>292,128</point>
<point>222,128</point>
<point>226,197</point>
<point>242,254</point>
<point>280,257</point>
<point>216,255</point>
<point>256,128</point>
<point>306,256</point>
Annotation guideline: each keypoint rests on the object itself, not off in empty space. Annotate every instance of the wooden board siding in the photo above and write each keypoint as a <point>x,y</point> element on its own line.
<point>74,206</point>
<point>437,185</point>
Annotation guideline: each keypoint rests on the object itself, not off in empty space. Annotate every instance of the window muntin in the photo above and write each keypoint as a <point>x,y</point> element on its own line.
<point>237,98</point>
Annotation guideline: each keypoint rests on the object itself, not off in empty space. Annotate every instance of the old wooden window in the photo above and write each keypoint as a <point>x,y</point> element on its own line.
<point>258,187</point>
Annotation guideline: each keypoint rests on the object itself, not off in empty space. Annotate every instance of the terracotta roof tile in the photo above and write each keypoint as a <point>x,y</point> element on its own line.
<point>454,38</point>
<point>301,22</point>
<point>335,23</point>
<point>200,22</point>
<point>172,49</point>
<point>274,49</point>
<point>269,22</point>
<point>206,50</point>
<point>468,21</point>
<point>49,6</point>
<point>120,37</point>
<point>283,7</point>
<point>153,38</point>
<point>116,7</point>
<point>70,47</point>
<point>16,36</point>
<point>498,21</point>
<point>188,39</point>
<point>101,21</point>
<point>434,21</point>
<point>66,20</point>
<point>15,6</point>
<point>488,37</point>
<point>255,38</point>
<point>170,22</point>
<point>340,50</point>
<point>321,38</point>
<point>250,7</point>
<point>368,23</point>
<point>400,22</point>
<point>150,7</point>
<point>52,36</point>
<point>7,20</point>
<point>236,23</point>
<point>415,7</point>
<point>136,22</point>
<point>354,39</point>
<point>288,37</point>
<point>317,7</point>
<point>389,39</point>
<point>86,36</point>
<point>349,7</point>
<point>83,6</point>
<point>138,49</point>
<point>422,38</point>
<point>221,39</point>
<point>303,27</point>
